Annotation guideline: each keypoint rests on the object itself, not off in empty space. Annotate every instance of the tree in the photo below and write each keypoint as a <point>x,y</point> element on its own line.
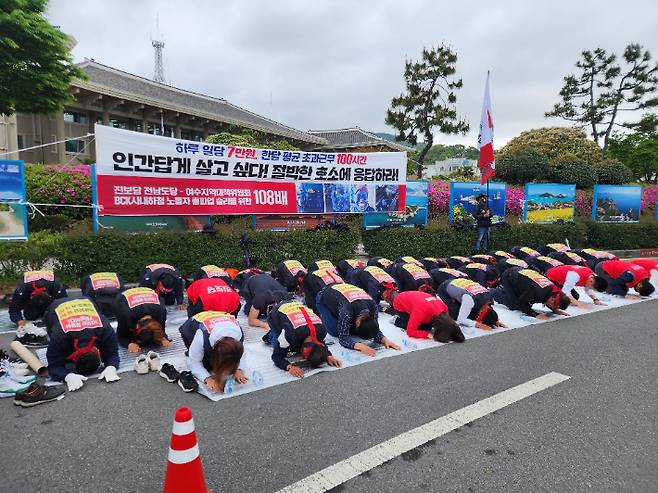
<point>603,89</point>
<point>554,143</point>
<point>251,138</point>
<point>639,149</point>
<point>36,68</point>
<point>429,100</point>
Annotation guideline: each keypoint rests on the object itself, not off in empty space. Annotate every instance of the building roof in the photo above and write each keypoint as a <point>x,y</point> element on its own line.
<point>114,82</point>
<point>356,137</point>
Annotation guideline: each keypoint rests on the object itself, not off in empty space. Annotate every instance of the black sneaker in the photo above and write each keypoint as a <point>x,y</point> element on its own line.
<point>37,394</point>
<point>32,340</point>
<point>169,373</point>
<point>187,382</point>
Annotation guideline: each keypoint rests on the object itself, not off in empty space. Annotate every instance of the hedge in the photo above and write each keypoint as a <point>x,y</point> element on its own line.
<point>78,255</point>
<point>445,240</point>
<point>622,236</point>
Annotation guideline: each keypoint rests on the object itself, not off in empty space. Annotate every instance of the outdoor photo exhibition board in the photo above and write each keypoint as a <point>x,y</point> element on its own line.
<point>547,203</point>
<point>617,203</point>
<point>414,214</point>
<point>13,212</point>
<point>143,174</point>
<point>463,201</point>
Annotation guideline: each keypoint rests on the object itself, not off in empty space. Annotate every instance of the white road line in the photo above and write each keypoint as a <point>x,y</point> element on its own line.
<point>351,467</point>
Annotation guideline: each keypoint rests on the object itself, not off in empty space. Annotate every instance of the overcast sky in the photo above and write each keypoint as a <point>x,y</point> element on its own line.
<point>326,64</point>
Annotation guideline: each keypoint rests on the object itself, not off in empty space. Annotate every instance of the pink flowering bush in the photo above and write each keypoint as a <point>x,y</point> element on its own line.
<point>649,198</point>
<point>439,198</point>
<point>584,203</point>
<point>514,197</point>
<point>59,184</point>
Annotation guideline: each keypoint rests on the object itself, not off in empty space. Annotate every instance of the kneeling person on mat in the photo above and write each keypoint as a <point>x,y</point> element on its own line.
<point>33,295</point>
<point>166,281</point>
<point>261,292</point>
<point>141,317</point>
<point>215,349</point>
<point>424,316</point>
<point>521,288</point>
<point>567,277</point>
<point>102,288</point>
<point>375,281</point>
<point>212,294</point>
<point>81,338</point>
<point>348,311</point>
<point>470,304</point>
<point>295,328</point>
<point>622,276</point>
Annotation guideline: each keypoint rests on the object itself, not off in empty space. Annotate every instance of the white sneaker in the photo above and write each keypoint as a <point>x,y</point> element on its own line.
<point>154,361</point>
<point>9,386</point>
<point>16,371</point>
<point>142,364</point>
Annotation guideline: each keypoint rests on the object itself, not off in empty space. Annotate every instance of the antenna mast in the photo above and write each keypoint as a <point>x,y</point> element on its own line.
<point>158,46</point>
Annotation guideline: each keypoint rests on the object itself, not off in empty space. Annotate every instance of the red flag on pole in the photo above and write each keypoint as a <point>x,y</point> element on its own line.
<point>485,138</point>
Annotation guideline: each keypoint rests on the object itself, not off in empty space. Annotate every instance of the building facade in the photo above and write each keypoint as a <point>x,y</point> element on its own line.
<point>122,100</point>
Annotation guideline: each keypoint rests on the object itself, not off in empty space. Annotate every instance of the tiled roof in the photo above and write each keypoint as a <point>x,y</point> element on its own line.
<point>114,82</point>
<point>356,137</point>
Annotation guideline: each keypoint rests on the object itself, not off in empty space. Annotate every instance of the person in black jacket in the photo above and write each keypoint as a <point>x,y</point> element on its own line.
<point>483,217</point>
<point>102,288</point>
<point>165,280</point>
<point>295,328</point>
<point>34,293</point>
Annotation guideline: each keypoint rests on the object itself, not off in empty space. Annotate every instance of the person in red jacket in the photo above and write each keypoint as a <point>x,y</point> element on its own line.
<point>567,277</point>
<point>424,316</point>
<point>651,266</point>
<point>212,294</point>
<point>622,276</point>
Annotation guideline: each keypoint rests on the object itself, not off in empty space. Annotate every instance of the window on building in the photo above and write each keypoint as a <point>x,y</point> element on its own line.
<point>185,135</point>
<point>75,146</point>
<point>116,123</point>
<point>21,142</point>
<point>73,117</point>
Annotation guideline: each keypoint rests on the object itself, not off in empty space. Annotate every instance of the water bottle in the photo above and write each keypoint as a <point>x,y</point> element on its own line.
<point>229,386</point>
<point>349,356</point>
<point>409,344</point>
<point>257,378</point>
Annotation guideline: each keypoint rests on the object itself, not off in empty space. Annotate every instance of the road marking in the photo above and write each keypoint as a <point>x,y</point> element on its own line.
<point>352,467</point>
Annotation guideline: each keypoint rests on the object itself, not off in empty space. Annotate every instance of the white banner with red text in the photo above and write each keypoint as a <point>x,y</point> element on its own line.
<point>142,174</point>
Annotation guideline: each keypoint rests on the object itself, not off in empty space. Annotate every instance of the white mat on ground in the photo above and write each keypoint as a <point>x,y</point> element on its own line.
<point>263,374</point>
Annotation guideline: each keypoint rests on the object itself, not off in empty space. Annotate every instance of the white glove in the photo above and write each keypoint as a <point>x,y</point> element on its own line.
<point>74,381</point>
<point>109,374</point>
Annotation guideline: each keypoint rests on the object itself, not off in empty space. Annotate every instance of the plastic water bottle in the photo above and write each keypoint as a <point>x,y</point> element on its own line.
<point>409,344</point>
<point>257,378</point>
<point>229,386</point>
<point>349,356</point>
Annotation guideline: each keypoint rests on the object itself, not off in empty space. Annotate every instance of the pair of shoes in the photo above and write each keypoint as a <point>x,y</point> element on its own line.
<point>37,394</point>
<point>147,362</point>
<point>32,340</point>
<point>185,379</point>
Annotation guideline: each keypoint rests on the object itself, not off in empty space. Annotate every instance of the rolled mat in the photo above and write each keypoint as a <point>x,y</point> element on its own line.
<point>26,355</point>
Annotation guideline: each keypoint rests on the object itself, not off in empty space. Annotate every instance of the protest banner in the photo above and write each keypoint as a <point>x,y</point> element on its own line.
<point>143,174</point>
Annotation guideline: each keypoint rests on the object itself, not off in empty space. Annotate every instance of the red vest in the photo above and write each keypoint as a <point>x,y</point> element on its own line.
<point>646,264</point>
<point>615,268</point>
<point>215,295</point>
<point>559,274</point>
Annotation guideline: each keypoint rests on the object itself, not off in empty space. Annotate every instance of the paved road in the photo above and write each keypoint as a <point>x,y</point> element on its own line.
<point>594,432</point>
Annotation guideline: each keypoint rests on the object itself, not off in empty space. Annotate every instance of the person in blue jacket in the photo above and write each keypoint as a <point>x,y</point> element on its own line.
<point>81,338</point>
<point>347,311</point>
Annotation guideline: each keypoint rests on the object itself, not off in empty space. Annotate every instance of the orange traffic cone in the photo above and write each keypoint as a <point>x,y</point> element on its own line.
<point>184,471</point>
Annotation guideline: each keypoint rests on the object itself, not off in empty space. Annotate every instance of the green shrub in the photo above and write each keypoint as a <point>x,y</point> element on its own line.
<point>50,222</point>
<point>19,256</point>
<point>622,236</point>
<point>613,172</point>
<point>444,240</point>
<point>128,254</point>
<point>570,169</point>
<point>525,165</point>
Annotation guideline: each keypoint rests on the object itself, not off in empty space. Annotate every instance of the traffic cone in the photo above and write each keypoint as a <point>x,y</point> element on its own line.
<point>184,471</point>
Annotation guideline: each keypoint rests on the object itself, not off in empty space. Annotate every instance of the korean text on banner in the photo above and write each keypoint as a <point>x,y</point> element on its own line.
<point>140,174</point>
